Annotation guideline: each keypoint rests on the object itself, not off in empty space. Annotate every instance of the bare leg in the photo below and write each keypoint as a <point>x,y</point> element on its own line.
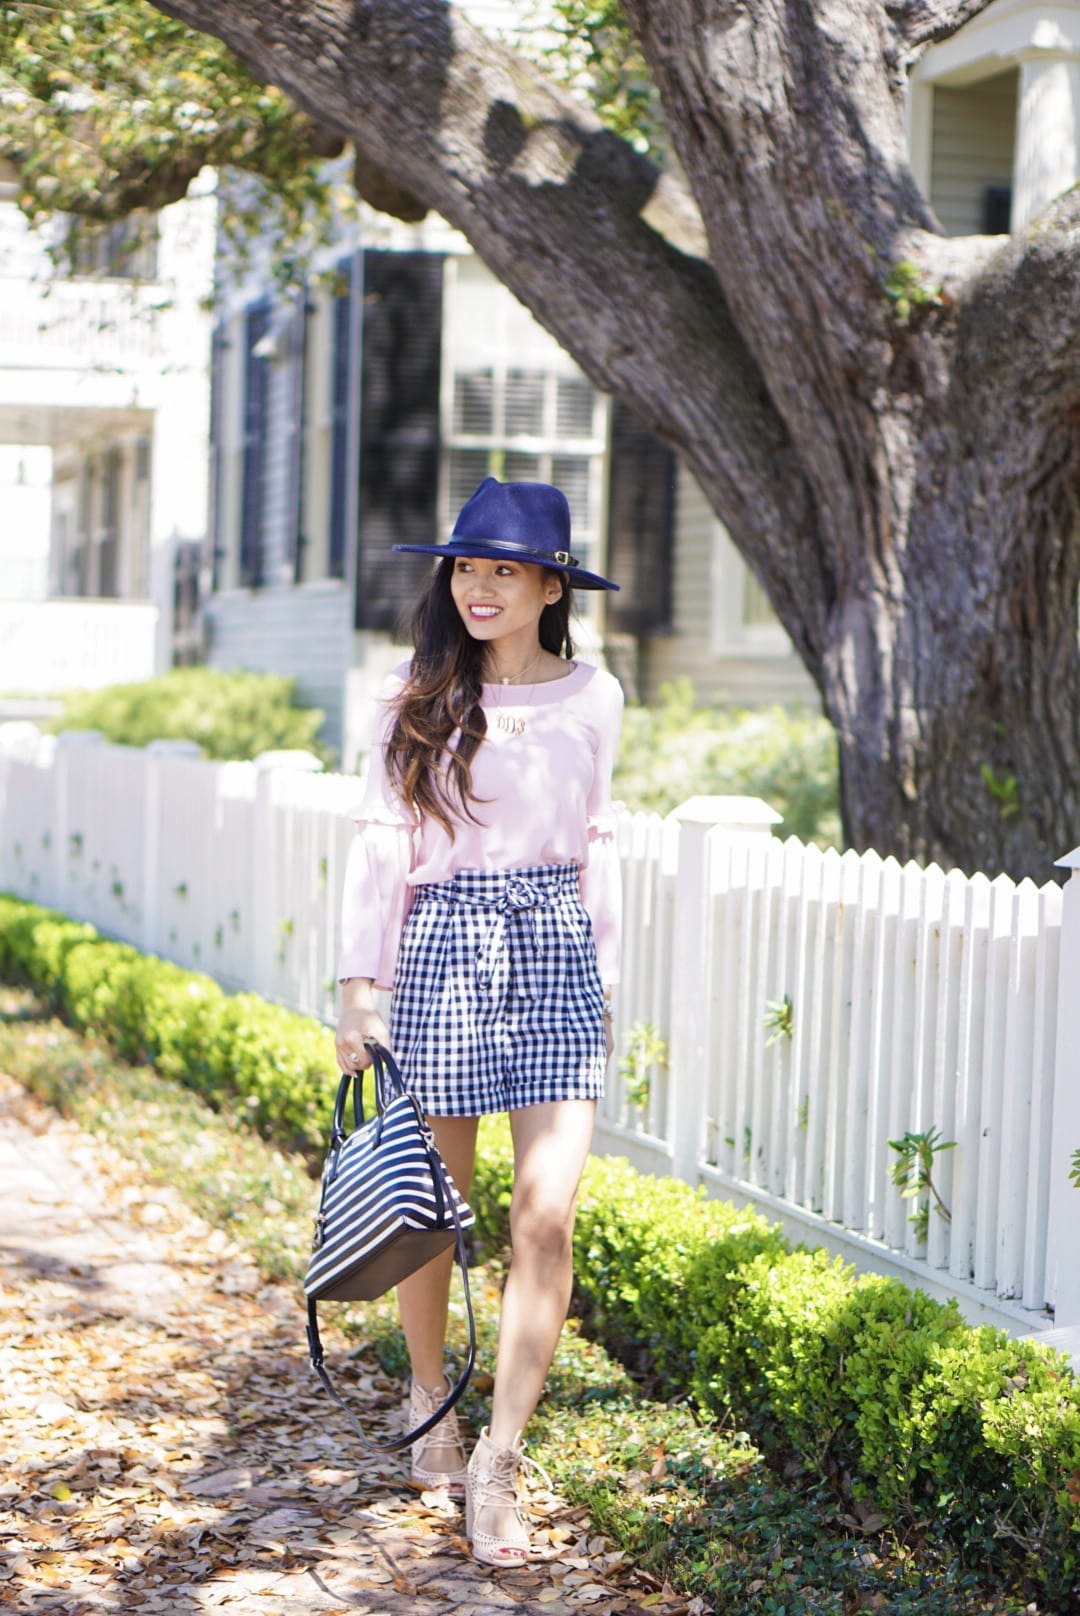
<point>423,1298</point>
<point>551,1143</point>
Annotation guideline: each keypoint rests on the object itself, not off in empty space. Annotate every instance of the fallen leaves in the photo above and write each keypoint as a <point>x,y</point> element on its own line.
<point>169,1435</point>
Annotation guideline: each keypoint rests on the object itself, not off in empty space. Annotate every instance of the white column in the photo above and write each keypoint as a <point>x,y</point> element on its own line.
<point>1063,1235</point>
<point>919,118</point>
<point>739,817</point>
<point>1047,160</point>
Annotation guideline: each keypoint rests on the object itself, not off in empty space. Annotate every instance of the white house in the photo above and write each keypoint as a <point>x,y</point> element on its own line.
<point>104,370</point>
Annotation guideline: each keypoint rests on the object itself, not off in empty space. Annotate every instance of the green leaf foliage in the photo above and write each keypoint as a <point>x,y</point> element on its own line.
<point>228,715</point>
<point>787,756</point>
<point>112,107</point>
<point>587,46</point>
<point>909,1410</point>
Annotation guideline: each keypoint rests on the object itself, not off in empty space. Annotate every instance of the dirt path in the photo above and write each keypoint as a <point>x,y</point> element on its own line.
<point>163,1447</point>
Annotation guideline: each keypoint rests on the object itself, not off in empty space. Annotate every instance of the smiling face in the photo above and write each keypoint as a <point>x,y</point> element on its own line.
<point>500,603</point>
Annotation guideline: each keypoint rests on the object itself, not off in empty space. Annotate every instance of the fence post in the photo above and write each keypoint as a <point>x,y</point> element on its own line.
<point>269,877</point>
<point>68,847</point>
<point>1063,1244</point>
<point>153,754</point>
<point>741,818</point>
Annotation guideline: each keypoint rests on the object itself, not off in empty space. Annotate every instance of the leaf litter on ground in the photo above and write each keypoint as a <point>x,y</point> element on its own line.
<point>245,1485</point>
<point>176,1444</point>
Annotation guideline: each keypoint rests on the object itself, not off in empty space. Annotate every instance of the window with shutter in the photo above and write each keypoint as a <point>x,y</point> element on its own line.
<point>575,407</point>
<point>108,575</point>
<point>341,433</point>
<point>523,408</point>
<point>252,477</point>
<point>517,411</point>
<point>997,210</point>
<point>641,519</point>
<point>399,431</point>
<point>474,404</point>
<point>296,540</point>
<point>79,561</point>
<point>216,514</point>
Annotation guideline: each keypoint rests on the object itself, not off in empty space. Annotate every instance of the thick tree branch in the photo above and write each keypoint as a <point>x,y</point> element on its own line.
<point>1020,313</point>
<point>570,218</point>
<point>381,191</point>
<point>920,23</point>
<point>788,122</point>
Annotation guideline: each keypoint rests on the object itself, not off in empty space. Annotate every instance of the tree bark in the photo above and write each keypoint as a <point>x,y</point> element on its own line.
<point>945,502</point>
<point>887,422</point>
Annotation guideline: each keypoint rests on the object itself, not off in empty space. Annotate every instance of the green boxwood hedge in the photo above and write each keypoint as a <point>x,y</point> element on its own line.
<point>889,1393</point>
<point>224,1046</point>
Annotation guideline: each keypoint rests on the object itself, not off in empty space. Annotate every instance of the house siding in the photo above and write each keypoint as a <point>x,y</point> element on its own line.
<point>973,135</point>
<point>724,662</point>
<point>300,631</point>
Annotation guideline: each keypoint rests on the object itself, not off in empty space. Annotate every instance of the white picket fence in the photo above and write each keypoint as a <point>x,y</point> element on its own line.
<point>816,1006</point>
<point>812,1006</point>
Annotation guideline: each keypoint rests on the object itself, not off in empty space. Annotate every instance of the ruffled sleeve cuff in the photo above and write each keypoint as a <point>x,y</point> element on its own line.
<point>377,897</point>
<point>601,891</point>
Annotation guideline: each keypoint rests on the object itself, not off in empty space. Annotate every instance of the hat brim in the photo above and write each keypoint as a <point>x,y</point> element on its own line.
<point>492,552</point>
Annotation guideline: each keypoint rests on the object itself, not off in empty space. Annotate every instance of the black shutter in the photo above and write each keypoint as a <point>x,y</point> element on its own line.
<point>997,210</point>
<point>641,523</point>
<point>399,431</point>
<point>296,539</point>
<point>256,324</point>
<point>341,392</point>
<point>218,347</point>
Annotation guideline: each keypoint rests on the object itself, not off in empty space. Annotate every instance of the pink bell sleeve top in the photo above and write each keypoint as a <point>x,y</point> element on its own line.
<point>542,790</point>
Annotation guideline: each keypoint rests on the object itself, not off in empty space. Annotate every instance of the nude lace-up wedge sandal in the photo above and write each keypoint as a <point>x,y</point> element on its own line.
<point>495,1519</point>
<point>438,1459</point>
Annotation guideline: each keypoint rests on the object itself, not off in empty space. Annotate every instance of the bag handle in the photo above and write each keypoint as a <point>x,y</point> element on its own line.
<point>388,1073</point>
<point>389,1085</point>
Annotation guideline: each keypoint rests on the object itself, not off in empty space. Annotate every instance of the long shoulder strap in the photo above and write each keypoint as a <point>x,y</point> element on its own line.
<point>315,1348</point>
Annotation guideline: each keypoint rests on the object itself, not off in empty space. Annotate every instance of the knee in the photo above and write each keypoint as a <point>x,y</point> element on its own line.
<point>542,1224</point>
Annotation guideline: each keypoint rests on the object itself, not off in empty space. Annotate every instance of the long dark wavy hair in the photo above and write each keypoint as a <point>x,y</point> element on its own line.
<point>443,696</point>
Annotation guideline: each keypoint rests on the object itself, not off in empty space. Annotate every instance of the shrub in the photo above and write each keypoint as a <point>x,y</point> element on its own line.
<point>787,756</point>
<point>909,1410</point>
<point>884,1390</point>
<point>229,715</point>
<point>280,1064</point>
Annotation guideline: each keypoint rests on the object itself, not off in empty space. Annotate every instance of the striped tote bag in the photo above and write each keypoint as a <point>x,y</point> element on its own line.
<point>387,1206</point>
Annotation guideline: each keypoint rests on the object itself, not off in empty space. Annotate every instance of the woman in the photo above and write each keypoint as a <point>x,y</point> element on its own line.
<point>483,887</point>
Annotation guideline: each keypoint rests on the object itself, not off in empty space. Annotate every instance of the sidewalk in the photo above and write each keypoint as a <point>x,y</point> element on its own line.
<point>165,1447</point>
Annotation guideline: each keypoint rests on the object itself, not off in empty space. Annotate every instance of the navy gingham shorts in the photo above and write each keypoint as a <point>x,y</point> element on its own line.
<point>497,998</point>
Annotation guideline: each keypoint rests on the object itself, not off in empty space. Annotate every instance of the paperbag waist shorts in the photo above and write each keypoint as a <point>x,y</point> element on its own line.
<point>497,998</point>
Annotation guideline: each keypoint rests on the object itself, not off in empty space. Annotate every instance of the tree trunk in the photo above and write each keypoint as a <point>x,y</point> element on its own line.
<point>887,422</point>
<point>944,493</point>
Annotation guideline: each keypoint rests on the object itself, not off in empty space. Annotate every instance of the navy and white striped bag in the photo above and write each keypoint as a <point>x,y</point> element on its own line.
<point>387,1207</point>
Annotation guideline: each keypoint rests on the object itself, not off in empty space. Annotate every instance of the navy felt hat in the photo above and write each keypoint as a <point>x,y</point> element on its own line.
<point>516,522</point>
